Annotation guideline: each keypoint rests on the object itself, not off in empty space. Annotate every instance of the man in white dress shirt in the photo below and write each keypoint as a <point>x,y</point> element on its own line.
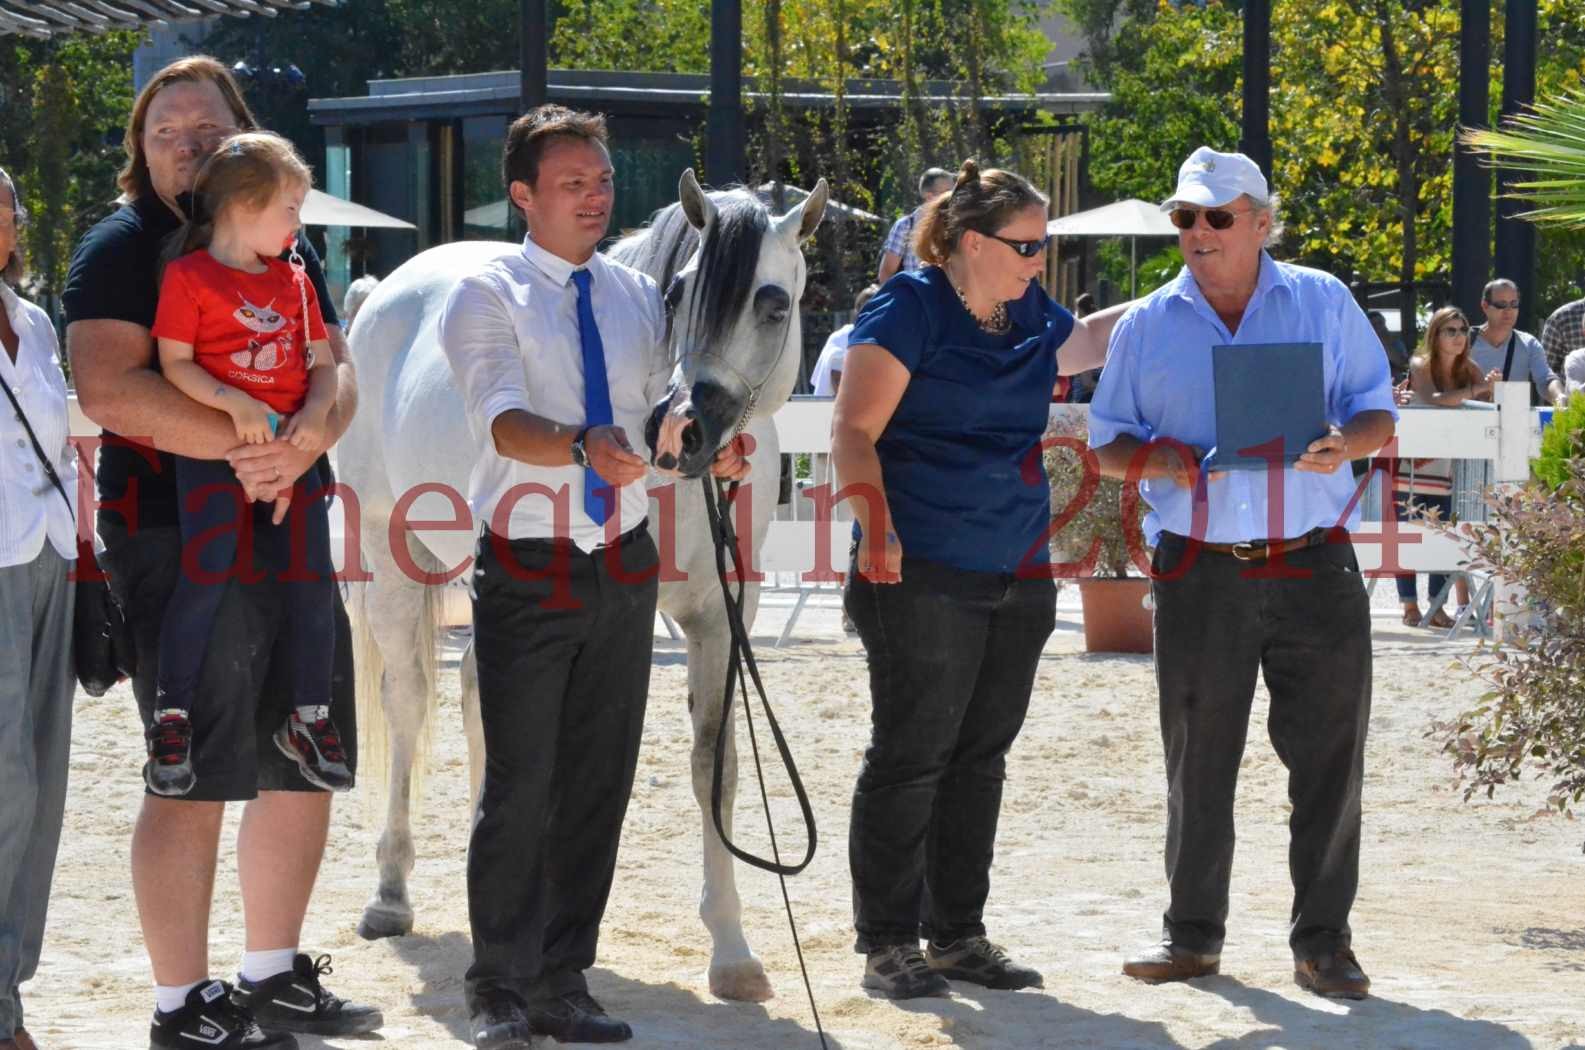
<point>553,349</point>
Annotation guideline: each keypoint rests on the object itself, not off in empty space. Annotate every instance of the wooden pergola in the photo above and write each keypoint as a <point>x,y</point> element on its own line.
<point>46,18</point>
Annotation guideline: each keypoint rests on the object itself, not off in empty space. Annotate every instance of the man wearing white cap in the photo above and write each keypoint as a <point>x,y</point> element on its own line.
<point>1253,572</point>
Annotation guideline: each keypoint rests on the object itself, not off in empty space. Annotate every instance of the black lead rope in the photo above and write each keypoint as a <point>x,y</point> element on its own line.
<point>739,669</point>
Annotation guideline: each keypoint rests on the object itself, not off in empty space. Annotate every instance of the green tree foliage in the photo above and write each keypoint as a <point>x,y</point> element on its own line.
<point>63,103</point>
<point>1364,107</point>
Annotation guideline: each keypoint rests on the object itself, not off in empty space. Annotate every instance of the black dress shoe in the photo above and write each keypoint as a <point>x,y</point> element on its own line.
<point>498,1023</point>
<point>576,1018</point>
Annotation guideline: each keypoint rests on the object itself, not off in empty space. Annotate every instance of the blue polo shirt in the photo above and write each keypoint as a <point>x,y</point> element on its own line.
<point>960,458</point>
<point>1158,384</point>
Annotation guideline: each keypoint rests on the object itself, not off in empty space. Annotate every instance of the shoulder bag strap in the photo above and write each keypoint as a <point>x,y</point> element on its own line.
<point>44,460</point>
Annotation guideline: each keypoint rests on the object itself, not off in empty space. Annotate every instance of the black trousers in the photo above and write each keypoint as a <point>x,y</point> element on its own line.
<point>214,516</point>
<point>1306,628</point>
<point>563,640</point>
<point>952,659</point>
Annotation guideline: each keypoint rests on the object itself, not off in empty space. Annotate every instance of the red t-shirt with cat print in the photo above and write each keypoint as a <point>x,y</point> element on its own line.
<point>245,329</point>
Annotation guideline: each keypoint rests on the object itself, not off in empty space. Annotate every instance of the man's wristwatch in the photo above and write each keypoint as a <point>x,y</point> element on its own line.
<point>580,455</point>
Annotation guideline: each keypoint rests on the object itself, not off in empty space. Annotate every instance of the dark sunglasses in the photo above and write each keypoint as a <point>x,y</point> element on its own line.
<point>1511,304</point>
<point>1455,329</point>
<point>1028,249</point>
<point>1215,218</point>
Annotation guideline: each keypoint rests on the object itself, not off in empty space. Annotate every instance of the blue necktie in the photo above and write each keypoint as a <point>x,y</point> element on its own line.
<point>599,498</point>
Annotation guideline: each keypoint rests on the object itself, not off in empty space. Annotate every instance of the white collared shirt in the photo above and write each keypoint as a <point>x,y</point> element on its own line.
<point>510,331</point>
<point>30,508</point>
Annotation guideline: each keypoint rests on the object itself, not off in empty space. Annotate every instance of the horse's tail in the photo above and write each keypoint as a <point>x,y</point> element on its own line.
<point>374,746</point>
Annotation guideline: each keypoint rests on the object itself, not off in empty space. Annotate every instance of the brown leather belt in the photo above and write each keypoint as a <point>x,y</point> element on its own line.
<point>1263,550</point>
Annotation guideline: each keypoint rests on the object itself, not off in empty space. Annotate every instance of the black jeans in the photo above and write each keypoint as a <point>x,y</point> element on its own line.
<point>952,659</point>
<point>215,521</point>
<point>563,640</point>
<point>1219,623</point>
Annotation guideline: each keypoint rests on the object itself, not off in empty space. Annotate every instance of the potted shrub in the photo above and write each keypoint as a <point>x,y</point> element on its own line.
<point>1091,538</point>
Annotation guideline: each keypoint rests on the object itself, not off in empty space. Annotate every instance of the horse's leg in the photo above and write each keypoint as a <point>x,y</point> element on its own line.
<point>473,725</point>
<point>400,614</point>
<point>735,972</point>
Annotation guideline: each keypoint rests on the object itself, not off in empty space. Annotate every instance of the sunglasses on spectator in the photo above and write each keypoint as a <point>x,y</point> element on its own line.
<point>1028,249</point>
<point>1507,304</point>
<point>1456,329</point>
<point>1215,218</point>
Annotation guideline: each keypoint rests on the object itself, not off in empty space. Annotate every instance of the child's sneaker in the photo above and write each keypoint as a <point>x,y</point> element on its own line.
<point>211,1019</point>
<point>169,770</point>
<point>315,745</point>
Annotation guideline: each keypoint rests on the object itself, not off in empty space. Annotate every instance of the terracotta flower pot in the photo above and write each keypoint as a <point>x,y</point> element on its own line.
<point>1116,617</point>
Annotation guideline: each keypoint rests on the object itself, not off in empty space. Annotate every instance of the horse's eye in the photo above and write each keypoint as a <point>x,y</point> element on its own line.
<point>674,294</point>
<point>772,304</point>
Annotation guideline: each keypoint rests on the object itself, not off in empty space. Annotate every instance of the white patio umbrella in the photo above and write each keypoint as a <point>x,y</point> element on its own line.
<point>321,209</point>
<point>1130,218</point>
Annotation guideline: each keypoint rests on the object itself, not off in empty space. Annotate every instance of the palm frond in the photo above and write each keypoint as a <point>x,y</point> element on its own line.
<point>1546,143</point>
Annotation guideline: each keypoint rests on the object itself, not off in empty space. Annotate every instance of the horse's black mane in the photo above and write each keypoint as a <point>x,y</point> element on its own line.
<point>726,264</point>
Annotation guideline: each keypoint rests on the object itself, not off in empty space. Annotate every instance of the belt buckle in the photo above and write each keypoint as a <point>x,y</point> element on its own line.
<point>1247,551</point>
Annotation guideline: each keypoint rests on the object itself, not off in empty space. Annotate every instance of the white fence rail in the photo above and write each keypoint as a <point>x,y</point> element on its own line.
<point>1506,434</point>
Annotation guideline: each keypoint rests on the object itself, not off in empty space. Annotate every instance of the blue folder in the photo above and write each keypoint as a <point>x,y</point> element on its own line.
<point>1266,391</point>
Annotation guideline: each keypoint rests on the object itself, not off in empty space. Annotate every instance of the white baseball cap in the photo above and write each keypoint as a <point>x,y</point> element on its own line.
<point>1210,179</point>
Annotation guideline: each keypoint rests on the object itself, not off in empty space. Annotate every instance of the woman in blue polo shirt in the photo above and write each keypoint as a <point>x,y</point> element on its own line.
<point>937,430</point>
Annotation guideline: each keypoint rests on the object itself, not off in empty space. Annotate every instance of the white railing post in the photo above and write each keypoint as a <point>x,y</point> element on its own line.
<point>1512,469</point>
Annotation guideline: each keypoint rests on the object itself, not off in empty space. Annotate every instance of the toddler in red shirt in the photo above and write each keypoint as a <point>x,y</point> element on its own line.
<point>240,330</point>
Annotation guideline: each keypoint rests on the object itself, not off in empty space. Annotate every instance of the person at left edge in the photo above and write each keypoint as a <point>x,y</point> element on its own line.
<point>555,352</point>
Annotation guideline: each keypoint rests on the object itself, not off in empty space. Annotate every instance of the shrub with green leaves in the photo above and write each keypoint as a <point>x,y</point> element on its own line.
<point>1562,442</point>
<point>1533,716</point>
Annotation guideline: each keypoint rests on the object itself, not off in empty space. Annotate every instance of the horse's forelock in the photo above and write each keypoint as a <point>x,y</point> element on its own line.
<point>728,260</point>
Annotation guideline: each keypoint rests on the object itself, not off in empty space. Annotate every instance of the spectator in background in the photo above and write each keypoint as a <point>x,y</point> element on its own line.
<point>1563,333</point>
<point>1080,388</point>
<point>1391,345</point>
<point>357,292</point>
<point>1514,354</point>
<point>898,255</point>
<point>828,366</point>
<point>1444,374</point>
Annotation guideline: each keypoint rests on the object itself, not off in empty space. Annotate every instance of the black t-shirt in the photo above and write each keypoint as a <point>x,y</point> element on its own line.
<point>114,277</point>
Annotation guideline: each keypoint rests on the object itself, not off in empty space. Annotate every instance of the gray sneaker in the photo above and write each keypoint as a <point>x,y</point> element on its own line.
<point>899,971</point>
<point>978,961</point>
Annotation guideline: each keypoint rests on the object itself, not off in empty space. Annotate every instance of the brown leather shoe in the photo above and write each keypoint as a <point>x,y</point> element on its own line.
<point>1336,976</point>
<point>1170,962</point>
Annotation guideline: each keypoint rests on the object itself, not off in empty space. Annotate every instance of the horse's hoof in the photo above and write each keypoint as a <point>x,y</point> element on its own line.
<point>743,982</point>
<point>381,920</point>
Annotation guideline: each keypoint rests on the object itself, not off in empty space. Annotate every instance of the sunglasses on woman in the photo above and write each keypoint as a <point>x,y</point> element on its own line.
<point>1215,218</point>
<point>1455,329</point>
<point>1028,249</point>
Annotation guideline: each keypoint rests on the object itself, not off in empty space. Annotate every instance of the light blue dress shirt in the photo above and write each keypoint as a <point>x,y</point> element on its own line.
<point>1158,384</point>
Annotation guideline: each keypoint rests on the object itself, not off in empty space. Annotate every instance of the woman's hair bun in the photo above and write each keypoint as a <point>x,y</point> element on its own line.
<point>969,174</point>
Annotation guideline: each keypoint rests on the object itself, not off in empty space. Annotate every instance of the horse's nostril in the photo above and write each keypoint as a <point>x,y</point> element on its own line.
<point>666,461</point>
<point>692,438</point>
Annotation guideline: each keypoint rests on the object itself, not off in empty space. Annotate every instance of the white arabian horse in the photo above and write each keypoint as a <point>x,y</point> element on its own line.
<point>732,275</point>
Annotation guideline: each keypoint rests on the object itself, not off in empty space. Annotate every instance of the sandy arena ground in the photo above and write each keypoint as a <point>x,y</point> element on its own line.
<point>1469,917</point>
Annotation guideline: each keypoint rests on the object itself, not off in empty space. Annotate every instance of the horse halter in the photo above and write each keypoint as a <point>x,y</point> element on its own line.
<point>754,389</point>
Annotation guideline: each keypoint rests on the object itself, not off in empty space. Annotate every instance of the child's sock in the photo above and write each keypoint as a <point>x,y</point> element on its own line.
<point>169,998</point>
<point>261,966</point>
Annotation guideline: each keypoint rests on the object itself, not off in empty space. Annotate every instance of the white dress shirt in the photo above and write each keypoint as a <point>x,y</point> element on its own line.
<point>510,331</point>
<point>832,356</point>
<point>30,508</point>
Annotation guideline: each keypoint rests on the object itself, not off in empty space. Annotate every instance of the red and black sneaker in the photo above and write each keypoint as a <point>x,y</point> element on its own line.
<point>315,745</point>
<point>169,770</point>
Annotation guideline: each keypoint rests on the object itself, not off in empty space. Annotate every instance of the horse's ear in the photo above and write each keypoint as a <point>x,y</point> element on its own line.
<point>696,203</point>
<point>806,217</point>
